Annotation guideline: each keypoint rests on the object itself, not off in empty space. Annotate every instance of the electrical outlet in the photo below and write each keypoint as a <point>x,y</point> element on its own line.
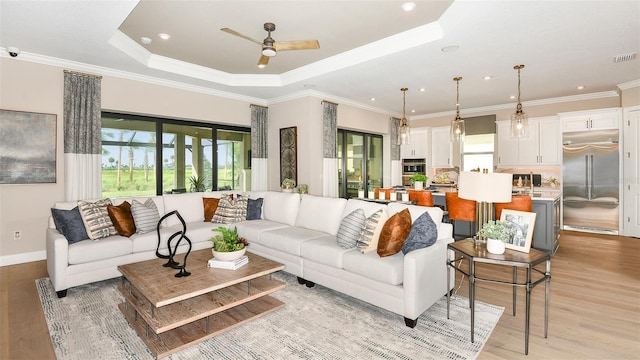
<point>17,235</point>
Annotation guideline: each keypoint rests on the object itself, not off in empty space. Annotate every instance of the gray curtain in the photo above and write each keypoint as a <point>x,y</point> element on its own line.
<point>329,149</point>
<point>393,134</point>
<point>82,136</point>
<point>259,147</point>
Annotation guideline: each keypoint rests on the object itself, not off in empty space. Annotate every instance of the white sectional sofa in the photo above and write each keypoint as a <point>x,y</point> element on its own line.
<point>297,231</point>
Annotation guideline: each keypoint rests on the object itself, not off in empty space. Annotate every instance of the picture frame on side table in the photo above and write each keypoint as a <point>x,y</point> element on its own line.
<point>522,222</point>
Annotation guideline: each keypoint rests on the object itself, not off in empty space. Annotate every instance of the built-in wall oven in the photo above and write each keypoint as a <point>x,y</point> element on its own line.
<point>410,167</point>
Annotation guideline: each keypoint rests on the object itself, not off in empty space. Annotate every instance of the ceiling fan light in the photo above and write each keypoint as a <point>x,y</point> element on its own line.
<point>269,51</point>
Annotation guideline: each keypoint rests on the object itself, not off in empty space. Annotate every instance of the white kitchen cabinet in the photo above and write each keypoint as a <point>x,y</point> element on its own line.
<point>441,149</point>
<point>541,146</point>
<point>418,145</point>
<point>601,119</point>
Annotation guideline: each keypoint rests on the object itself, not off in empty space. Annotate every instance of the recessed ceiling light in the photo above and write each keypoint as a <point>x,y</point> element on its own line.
<point>451,48</point>
<point>372,99</point>
<point>512,97</point>
<point>580,87</point>
<point>408,6</point>
<point>487,77</point>
<point>421,90</point>
<point>413,110</point>
<point>145,40</point>
<point>164,36</point>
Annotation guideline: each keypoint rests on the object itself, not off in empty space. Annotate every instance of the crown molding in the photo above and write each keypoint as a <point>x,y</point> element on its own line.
<point>629,85</point>
<point>325,96</point>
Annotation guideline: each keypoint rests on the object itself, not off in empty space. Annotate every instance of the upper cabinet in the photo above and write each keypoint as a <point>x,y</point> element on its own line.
<point>418,145</point>
<point>442,151</point>
<point>541,146</point>
<point>601,119</point>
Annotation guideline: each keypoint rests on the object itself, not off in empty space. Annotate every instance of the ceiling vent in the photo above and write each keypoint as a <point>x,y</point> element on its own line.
<point>624,57</point>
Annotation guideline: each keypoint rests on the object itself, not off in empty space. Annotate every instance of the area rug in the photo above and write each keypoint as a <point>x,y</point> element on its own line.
<point>315,323</point>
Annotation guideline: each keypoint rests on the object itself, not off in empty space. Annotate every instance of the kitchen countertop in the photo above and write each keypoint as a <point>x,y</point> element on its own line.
<point>539,193</point>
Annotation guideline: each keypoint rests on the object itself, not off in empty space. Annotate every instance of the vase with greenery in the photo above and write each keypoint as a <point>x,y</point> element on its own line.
<point>418,180</point>
<point>228,245</point>
<point>497,233</point>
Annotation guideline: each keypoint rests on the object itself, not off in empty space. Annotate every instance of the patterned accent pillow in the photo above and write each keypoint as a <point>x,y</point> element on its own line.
<point>122,219</point>
<point>424,233</point>
<point>210,206</point>
<point>230,210</point>
<point>69,223</point>
<point>96,218</point>
<point>254,209</point>
<point>394,232</point>
<point>368,240</point>
<point>350,229</point>
<point>145,215</point>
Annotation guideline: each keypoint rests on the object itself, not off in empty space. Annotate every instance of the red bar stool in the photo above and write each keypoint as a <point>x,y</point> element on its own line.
<point>462,210</point>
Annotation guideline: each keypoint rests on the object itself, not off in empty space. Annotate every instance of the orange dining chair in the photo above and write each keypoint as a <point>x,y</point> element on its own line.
<point>460,210</point>
<point>518,202</point>
<point>421,197</point>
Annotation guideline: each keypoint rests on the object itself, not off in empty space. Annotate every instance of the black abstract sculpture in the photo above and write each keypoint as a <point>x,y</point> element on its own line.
<point>172,251</point>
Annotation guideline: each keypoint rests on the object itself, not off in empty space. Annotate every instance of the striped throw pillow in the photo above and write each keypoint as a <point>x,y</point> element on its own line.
<point>350,228</point>
<point>145,215</point>
<point>96,218</point>
<point>230,210</point>
<point>370,234</point>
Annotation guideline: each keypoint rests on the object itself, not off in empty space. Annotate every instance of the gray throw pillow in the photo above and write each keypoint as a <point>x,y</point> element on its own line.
<point>69,223</point>
<point>424,233</point>
<point>350,228</point>
<point>254,209</point>
<point>145,216</point>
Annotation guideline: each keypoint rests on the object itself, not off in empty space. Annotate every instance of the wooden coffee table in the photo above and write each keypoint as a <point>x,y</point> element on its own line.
<point>171,314</point>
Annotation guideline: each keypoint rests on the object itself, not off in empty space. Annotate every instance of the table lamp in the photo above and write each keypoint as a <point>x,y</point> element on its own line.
<point>485,189</point>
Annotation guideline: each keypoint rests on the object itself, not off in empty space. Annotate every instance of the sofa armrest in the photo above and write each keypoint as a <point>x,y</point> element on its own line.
<point>57,259</point>
<point>425,277</point>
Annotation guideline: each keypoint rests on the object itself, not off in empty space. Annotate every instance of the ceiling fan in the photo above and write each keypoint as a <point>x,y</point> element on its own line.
<point>270,47</point>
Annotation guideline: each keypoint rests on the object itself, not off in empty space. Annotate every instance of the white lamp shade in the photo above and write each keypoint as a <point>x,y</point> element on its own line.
<point>490,187</point>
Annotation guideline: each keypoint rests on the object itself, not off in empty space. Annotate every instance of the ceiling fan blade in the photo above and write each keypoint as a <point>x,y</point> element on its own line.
<point>264,60</point>
<point>233,32</point>
<point>297,45</point>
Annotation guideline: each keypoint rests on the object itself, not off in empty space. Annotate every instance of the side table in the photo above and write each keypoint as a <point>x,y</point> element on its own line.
<point>467,249</point>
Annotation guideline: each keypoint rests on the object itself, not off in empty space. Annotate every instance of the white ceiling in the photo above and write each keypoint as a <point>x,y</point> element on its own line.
<point>367,48</point>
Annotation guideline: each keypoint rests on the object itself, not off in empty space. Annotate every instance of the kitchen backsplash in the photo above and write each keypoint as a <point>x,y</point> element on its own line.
<point>547,172</point>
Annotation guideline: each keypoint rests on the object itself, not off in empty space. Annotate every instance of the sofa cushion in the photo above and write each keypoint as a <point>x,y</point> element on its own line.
<point>394,232</point>
<point>368,207</point>
<point>230,210</point>
<point>107,248</point>
<point>69,223</point>
<point>290,239</point>
<point>210,205</point>
<point>389,269</point>
<point>145,215</point>
<point>324,250</point>
<point>189,205</point>
<point>320,213</point>
<point>424,233</point>
<point>370,234</point>
<point>435,212</point>
<point>281,207</point>
<point>122,219</point>
<point>254,209</point>
<point>350,229</point>
<point>96,218</point>
<point>252,230</point>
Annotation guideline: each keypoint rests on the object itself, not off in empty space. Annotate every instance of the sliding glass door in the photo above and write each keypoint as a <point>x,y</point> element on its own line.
<point>359,162</point>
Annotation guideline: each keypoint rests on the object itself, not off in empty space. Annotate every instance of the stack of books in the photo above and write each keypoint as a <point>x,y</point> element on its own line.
<point>231,265</point>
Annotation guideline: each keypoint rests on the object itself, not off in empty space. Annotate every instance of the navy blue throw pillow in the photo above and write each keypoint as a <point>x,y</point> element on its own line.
<point>69,223</point>
<point>254,209</point>
<point>424,233</point>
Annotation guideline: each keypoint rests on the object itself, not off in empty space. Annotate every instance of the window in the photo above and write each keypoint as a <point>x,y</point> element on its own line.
<point>134,162</point>
<point>477,152</point>
<point>359,162</point>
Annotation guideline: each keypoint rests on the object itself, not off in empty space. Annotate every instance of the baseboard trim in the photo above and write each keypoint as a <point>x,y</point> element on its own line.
<point>22,258</point>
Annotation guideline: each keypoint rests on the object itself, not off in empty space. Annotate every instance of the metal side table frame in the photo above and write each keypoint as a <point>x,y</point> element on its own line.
<point>467,249</point>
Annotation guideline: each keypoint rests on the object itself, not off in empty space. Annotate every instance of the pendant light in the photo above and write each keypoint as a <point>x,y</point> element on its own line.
<point>457,124</point>
<point>404,131</point>
<point>519,120</point>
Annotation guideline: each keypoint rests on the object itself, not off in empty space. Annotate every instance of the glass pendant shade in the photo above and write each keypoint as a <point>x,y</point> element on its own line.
<point>519,120</point>
<point>404,131</point>
<point>457,124</point>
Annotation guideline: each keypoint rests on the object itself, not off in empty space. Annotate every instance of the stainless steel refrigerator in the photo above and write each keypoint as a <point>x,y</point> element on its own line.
<point>591,181</point>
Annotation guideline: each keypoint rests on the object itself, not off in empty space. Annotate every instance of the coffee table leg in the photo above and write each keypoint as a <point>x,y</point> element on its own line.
<point>472,293</point>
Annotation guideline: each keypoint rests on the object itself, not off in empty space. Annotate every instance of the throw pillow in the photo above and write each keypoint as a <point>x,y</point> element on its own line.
<point>254,209</point>
<point>370,235</point>
<point>122,219</point>
<point>231,210</point>
<point>394,232</point>
<point>96,218</point>
<point>210,206</point>
<point>145,216</point>
<point>424,233</point>
<point>350,228</point>
<point>69,223</point>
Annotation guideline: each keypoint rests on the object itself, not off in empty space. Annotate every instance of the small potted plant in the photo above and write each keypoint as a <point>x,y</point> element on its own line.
<point>288,185</point>
<point>197,183</point>
<point>228,246</point>
<point>418,180</point>
<point>497,233</point>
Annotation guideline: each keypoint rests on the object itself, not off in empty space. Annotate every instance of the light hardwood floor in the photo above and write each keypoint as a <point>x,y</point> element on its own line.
<point>594,307</point>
